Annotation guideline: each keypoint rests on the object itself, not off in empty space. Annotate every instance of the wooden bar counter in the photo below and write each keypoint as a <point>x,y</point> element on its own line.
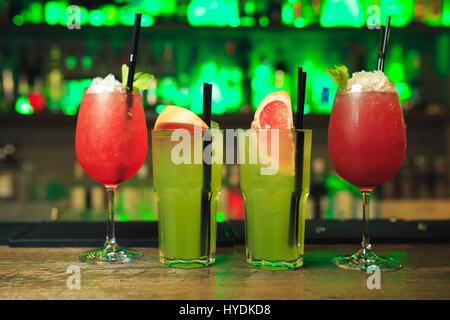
<point>41,273</point>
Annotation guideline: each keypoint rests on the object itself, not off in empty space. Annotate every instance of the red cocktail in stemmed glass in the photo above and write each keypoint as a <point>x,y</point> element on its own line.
<point>367,146</point>
<point>111,146</point>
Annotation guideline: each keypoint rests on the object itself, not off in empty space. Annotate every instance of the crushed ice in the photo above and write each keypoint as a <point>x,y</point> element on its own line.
<point>108,84</point>
<point>370,81</point>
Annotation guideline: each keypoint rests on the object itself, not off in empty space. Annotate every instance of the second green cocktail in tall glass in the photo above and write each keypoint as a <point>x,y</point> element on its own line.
<point>274,238</point>
<point>274,190</point>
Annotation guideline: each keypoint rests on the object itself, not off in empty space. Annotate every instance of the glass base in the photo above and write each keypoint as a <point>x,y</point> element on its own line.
<point>275,265</point>
<point>366,261</point>
<point>187,264</point>
<point>110,254</point>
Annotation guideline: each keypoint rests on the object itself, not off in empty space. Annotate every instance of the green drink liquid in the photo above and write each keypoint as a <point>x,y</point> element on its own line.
<point>270,244</point>
<point>182,240</point>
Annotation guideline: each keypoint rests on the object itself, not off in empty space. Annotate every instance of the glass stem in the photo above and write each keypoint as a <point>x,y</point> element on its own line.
<point>366,246</point>
<point>110,232</point>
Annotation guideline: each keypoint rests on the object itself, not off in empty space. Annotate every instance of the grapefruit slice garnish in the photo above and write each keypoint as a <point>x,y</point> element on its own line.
<point>275,112</point>
<point>173,117</point>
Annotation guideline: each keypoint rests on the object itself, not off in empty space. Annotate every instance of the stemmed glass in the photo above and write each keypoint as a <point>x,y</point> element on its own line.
<point>111,146</point>
<point>367,146</point>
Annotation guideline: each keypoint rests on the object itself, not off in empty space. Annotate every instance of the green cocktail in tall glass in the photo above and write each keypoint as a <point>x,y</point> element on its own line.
<point>274,233</point>
<point>187,239</point>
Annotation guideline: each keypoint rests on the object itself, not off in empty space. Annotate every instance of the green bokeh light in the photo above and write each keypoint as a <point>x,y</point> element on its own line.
<point>168,7</point>
<point>97,18</point>
<point>287,14</point>
<point>159,108</point>
<point>219,13</point>
<point>403,90</point>
<point>71,62</point>
<point>23,106</point>
<point>147,21</point>
<point>401,11</point>
<point>220,217</point>
<point>18,20</point>
<point>86,62</point>
<point>299,22</point>
<point>127,15</point>
<point>249,7</point>
<point>342,13</point>
<point>70,101</point>
<point>53,10</point>
<point>446,13</point>
<point>264,22</point>
<point>35,13</point>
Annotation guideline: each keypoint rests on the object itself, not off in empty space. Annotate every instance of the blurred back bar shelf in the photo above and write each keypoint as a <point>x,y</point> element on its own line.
<point>246,49</point>
<point>47,69</point>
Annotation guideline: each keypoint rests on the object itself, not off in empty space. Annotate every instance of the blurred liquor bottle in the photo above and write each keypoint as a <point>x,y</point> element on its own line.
<point>28,181</point>
<point>22,105</point>
<point>127,199</point>
<point>387,190</point>
<point>419,10</point>
<point>135,200</point>
<point>7,97</point>
<point>422,174</point>
<point>222,202</point>
<point>231,80</point>
<point>145,207</point>
<point>54,79</point>
<point>181,11</point>
<point>275,13</point>
<point>8,172</point>
<point>167,86</point>
<point>404,181</point>
<point>149,65</point>
<point>340,196</point>
<point>318,190</point>
<point>6,81</point>
<point>36,95</point>
<point>440,178</point>
<point>234,200</point>
<point>343,205</point>
<point>247,13</point>
<point>79,201</point>
<point>299,13</point>
<point>433,13</point>
<point>255,12</point>
<point>97,202</point>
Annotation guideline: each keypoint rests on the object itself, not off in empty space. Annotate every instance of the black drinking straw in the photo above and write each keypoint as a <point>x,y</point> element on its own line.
<point>133,54</point>
<point>299,145</point>
<point>301,82</point>
<point>384,38</point>
<point>206,191</point>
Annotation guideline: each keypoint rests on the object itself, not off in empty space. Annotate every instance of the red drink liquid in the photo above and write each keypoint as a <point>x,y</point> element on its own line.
<point>367,137</point>
<point>111,136</point>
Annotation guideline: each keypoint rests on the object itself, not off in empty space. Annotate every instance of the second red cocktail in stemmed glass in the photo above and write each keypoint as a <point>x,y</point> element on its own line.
<point>367,147</point>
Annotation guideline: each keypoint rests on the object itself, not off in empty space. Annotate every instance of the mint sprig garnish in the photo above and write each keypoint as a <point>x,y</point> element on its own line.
<point>339,76</point>
<point>140,82</point>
